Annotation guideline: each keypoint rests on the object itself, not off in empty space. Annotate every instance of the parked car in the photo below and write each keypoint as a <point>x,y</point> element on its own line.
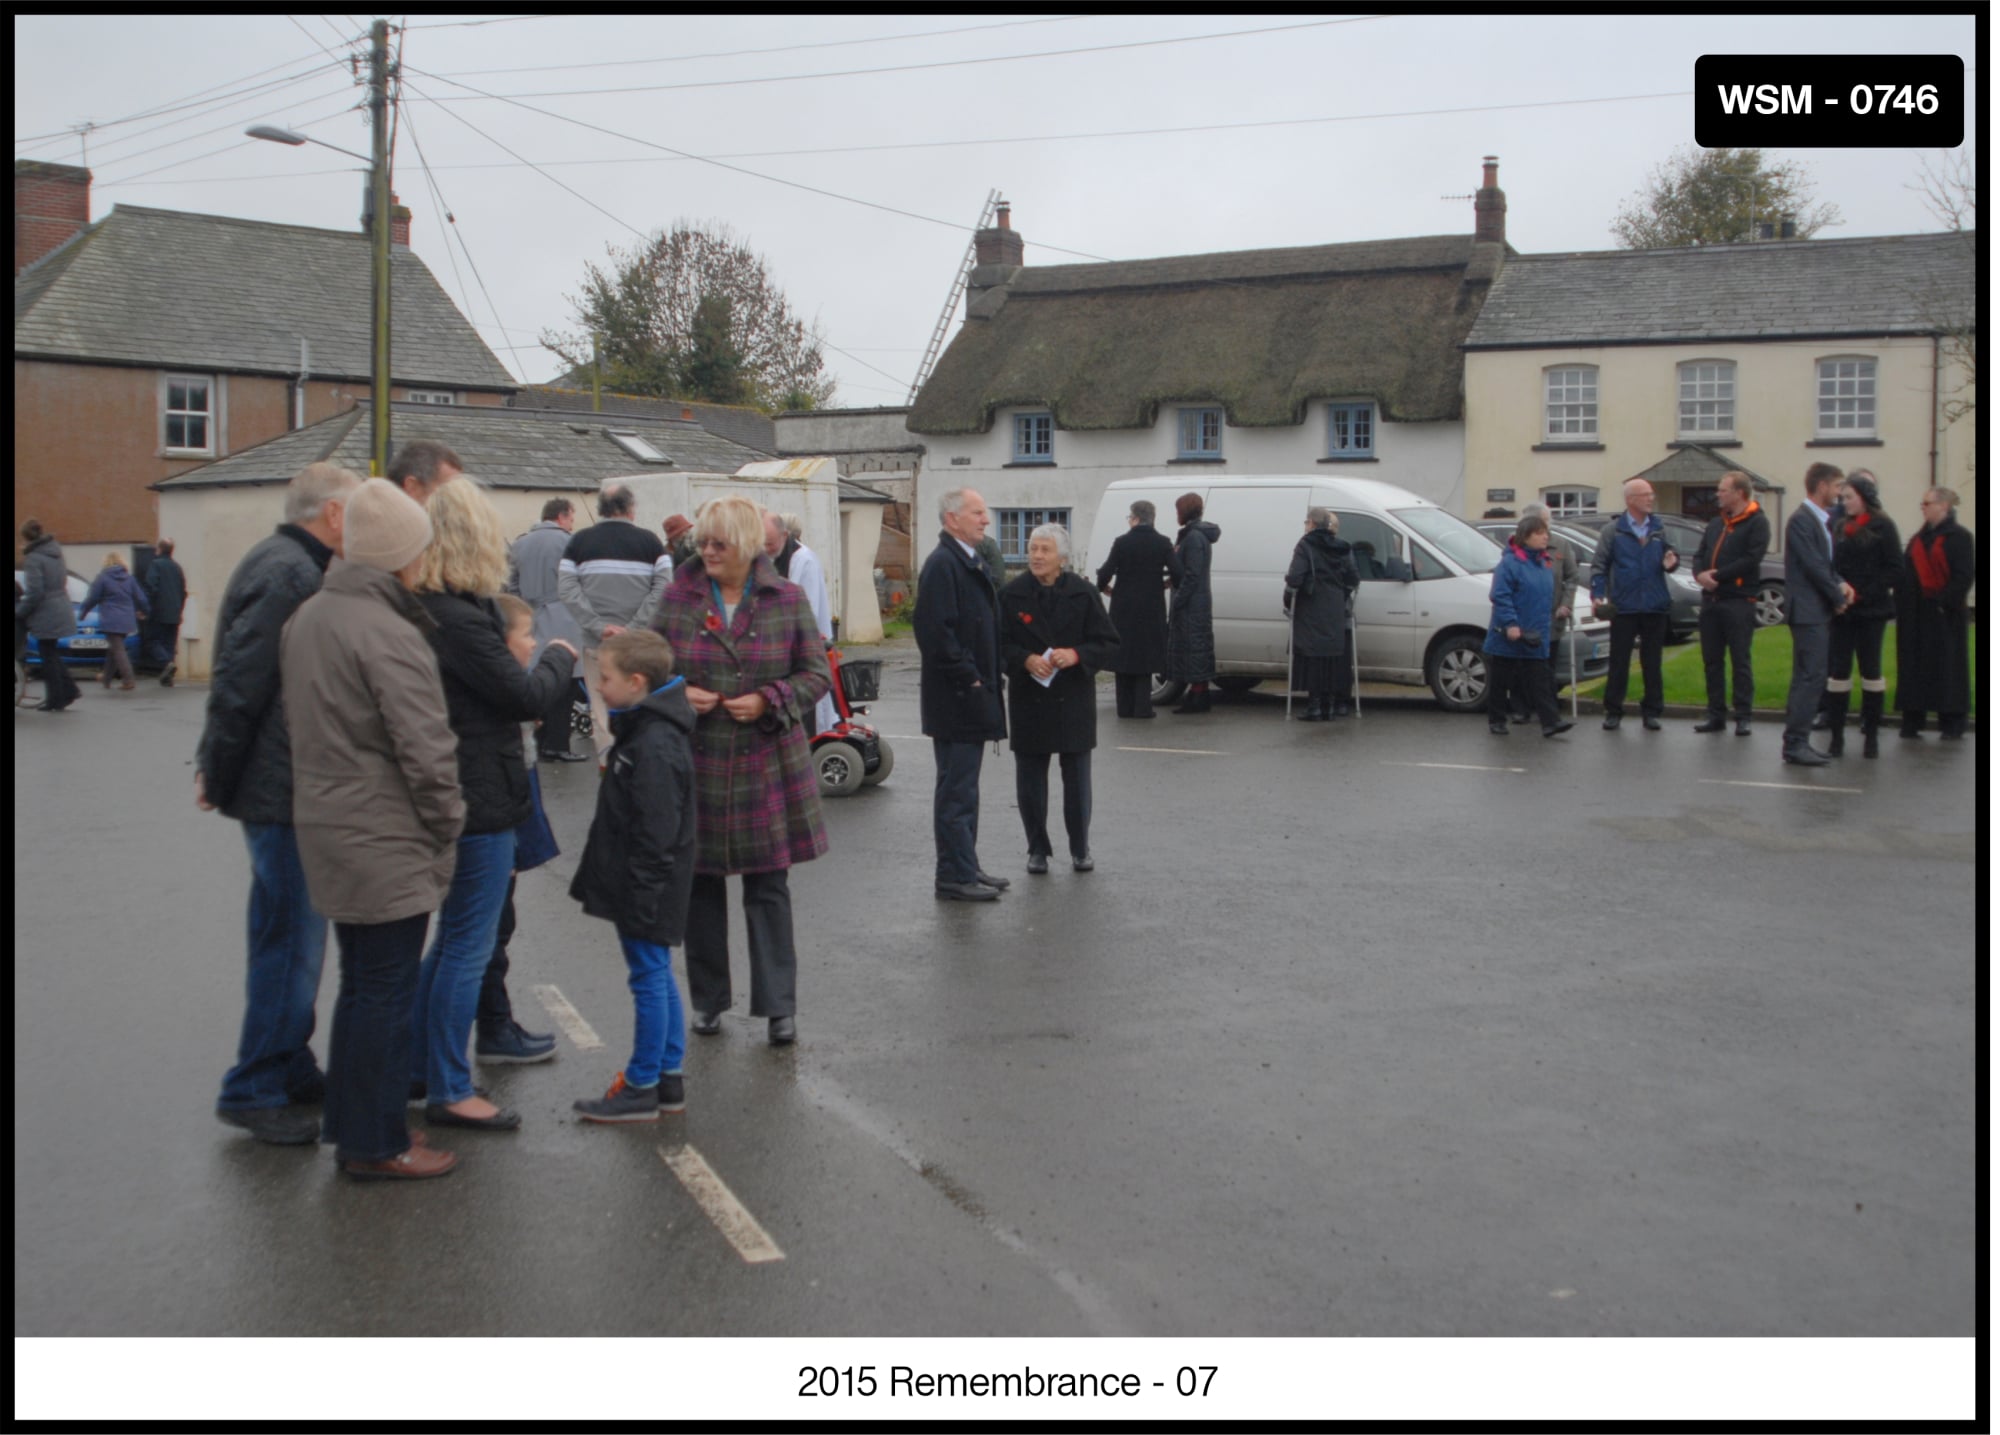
<point>87,646</point>
<point>1685,534</point>
<point>1686,612</point>
<point>1423,609</point>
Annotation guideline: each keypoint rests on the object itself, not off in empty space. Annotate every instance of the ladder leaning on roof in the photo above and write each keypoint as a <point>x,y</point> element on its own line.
<point>958,283</point>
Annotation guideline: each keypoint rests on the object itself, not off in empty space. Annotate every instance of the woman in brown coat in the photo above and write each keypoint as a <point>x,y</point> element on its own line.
<point>377,809</point>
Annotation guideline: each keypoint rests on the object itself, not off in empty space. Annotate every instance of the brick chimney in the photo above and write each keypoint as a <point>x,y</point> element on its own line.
<point>399,223</point>
<point>1000,244</point>
<point>51,204</point>
<point>996,260</point>
<point>1489,207</point>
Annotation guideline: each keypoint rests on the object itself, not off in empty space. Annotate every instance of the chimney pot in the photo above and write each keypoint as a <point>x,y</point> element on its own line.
<point>1004,215</point>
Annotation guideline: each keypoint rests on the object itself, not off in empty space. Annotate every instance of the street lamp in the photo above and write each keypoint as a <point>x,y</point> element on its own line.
<point>378,234</point>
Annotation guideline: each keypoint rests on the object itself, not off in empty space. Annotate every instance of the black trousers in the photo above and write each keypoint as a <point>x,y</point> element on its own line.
<point>1855,640</point>
<point>1809,650</point>
<point>159,643</point>
<point>955,809</point>
<point>1135,694</point>
<point>556,729</point>
<point>368,1057</point>
<point>1726,626</point>
<point>59,689</point>
<point>1031,791</point>
<point>1523,680</point>
<point>774,961</point>
<point>1649,631</point>
<point>495,1010</point>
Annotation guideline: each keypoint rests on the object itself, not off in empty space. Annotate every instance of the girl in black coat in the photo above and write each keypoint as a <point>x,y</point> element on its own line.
<point>1054,636</point>
<point>1867,555</point>
<point>1191,618</point>
<point>1931,620</point>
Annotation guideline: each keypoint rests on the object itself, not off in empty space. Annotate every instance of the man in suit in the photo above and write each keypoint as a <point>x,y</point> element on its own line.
<point>957,623</point>
<point>1813,594</point>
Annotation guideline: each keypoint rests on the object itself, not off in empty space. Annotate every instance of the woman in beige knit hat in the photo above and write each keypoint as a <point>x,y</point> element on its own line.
<point>377,809</point>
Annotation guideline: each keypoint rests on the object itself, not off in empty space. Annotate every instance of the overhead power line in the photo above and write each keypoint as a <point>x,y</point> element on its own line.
<point>928,64</point>
<point>197,100</point>
<point>473,24</point>
<point>233,124</point>
<point>240,144</point>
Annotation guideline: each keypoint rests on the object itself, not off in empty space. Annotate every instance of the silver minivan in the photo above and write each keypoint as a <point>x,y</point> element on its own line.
<point>1423,610</point>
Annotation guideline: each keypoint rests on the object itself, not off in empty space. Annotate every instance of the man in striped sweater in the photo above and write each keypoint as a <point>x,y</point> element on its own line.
<point>611,577</point>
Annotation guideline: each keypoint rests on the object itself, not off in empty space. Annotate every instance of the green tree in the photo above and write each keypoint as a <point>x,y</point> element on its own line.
<point>1719,196</point>
<point>646,304</point>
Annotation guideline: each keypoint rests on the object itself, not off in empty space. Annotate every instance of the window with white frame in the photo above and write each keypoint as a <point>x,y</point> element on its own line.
<point>1847,398</point>
<point>187,413</point>
<point>1034,438</point>
<point>1013,526</point>
<point>433,396</point>
<point>1572,405</point>
<point>1350,430</point>
<point>1569,502</point>
<point>1708,400</point>
<point>1201,433</point>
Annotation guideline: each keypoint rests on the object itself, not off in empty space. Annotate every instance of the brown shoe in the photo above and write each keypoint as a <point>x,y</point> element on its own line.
<point>127,686</point>
<point>419,1163</point>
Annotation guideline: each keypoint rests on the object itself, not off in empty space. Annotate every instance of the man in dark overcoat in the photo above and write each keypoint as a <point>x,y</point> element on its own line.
<point>957,622</point>
<point>1137,573</point>
<point>166,597</point>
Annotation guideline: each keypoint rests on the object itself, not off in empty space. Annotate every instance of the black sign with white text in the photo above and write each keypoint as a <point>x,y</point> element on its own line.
<point>1829,101</point>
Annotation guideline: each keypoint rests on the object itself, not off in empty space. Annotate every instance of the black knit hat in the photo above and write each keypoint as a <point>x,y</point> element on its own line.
<point>1870,495</point>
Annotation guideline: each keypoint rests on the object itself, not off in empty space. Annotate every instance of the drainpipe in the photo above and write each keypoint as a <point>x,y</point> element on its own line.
<point>299,390</point>
<point>1936,360</point>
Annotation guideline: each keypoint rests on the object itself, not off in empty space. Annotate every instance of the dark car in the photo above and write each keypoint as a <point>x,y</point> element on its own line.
<point>88,645</point>
<point>1685,534</point>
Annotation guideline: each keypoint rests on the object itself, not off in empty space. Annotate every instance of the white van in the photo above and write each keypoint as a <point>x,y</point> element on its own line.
<point>1423,609</point>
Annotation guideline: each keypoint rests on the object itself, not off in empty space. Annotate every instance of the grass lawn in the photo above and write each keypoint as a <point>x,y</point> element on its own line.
<point>1770,661</point>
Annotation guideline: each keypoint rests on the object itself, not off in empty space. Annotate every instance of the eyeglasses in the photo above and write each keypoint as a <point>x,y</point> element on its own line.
<point>719,545</point>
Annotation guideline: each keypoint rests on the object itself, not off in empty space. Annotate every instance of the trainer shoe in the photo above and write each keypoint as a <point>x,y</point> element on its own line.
<point>512,1045</point>
<point>623,1103</point>
<point>167,676</point>
<point>274,1125</point>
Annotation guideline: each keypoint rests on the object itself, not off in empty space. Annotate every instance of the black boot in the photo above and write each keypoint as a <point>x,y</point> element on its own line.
<point>1833,707</point>
<point>1871,721</point>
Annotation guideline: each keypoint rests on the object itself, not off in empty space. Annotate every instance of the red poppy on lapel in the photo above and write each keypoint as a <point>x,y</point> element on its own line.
<point>712,623</point>
<point>1027,617</point>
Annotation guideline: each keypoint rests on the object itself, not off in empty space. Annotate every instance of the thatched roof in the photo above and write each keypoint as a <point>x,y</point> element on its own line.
<point>1262,332</point>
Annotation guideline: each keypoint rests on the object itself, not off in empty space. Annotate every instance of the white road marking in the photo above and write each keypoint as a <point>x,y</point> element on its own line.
<point>737,1225</point>
<point>1456,766</point>
<point>904,736</point>
<point>1782,786</point>
<point>1179,751</point>
<point>568,1018</point>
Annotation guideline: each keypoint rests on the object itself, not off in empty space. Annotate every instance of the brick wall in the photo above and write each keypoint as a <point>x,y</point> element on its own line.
<point>51,202</point>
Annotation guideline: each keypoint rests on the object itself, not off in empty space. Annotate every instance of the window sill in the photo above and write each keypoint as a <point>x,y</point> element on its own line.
<point>1844,443</point>
<point>1567,448</point>
<point>1706,443</point>
<point>1217,458</point>
<point>181,453</point>
<point>1350,458</point>
<point>1030,463</point>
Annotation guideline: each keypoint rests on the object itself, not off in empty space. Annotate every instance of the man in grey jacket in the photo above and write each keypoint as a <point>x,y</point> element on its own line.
<point>243,768</point>
<point>533,574</point>
<point>611,578</point>
<point>1813,594</point>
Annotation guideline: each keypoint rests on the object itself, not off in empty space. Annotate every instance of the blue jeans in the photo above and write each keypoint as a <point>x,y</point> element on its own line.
<point>659,1025</point>
<point>448,983</point>
<point>287,948</point>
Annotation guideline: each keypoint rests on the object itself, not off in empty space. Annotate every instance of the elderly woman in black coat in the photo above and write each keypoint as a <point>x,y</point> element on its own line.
<point>1932,675</point>
<point>1191,618</point>
<point>1319,594</point>
<point>1140,568</point>
<point>1054,636</point>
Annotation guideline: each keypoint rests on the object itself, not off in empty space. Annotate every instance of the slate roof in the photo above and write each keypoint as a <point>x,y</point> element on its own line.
<point>1807,287</point>
<point>502,447</point>
<point>746,426</point>
<point>158,287</point>
<point>1262,332</point>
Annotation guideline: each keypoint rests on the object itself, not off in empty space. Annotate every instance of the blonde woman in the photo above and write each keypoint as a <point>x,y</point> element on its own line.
<point>488,695</point>
<point>119,603</point>
<point>745,640</point>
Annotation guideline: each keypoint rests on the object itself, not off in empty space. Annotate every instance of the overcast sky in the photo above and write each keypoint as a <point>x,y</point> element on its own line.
<point>1395,113</point>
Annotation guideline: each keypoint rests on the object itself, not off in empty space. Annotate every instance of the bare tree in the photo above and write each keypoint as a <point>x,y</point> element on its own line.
<point>653,309</point>
<point>1949,187</point>
<point>1719,196</point>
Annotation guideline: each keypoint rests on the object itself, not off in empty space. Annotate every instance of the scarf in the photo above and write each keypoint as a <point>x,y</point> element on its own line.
<point>1933,569</point>
<point>1855,525</point>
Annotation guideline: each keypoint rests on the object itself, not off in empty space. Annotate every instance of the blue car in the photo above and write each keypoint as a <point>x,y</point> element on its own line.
<point>87,646</point>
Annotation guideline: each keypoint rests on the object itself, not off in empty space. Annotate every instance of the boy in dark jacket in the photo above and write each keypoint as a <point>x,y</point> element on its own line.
<point>638,864</point>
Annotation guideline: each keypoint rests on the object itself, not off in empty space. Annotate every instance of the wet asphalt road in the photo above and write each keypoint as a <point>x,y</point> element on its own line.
<point>1349,1033</point>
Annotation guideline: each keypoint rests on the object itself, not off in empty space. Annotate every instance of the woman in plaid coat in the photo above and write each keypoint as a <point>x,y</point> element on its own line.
<point>746,642</point>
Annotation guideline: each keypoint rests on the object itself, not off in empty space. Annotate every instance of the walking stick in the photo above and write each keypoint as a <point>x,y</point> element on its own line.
<point>1573,709</point>
<point>1354,663</point>
<point>1291,630</point>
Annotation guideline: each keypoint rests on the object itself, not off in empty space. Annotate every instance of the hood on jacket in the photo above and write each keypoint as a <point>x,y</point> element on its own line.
<point>1205,529</point>
<point>1527,555</point>
<point>668,701</point>
<point>1325,540</point>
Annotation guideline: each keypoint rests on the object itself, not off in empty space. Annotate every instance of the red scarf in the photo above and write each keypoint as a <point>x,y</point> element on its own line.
<point>1933,569</point>
<point>1855,525</point>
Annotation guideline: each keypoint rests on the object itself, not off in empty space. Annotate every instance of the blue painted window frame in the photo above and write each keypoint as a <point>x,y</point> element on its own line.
<point>1203,425</point>
<point>1350,430</point>
<point>1011,527</point>
<point>1035,438</point>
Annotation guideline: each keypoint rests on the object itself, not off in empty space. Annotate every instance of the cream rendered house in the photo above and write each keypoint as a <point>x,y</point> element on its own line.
<point>1584,370</point>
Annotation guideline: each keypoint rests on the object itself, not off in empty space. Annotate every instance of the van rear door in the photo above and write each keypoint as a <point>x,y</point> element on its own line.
<point>1260,527</point>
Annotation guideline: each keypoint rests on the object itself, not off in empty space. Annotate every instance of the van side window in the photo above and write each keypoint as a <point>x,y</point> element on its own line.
<point>1426,563</point>
<point>1374,543</point>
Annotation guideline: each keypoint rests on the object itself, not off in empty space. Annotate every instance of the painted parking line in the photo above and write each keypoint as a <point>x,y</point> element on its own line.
<point>737,1225</point>
<point>1456,766</point>
<point>1781,786</point>
<point>568,1018</point>
<point>1179,751</point>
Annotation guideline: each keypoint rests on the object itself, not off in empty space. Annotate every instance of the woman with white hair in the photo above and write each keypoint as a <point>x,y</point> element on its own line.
<point>1054,636</point>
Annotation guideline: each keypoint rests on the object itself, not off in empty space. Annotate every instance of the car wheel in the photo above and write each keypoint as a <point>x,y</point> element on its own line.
<point>840,768</point>
<point>1166,690</point>
<point>886,766</point>
<point>1456,673</point>
<point>1770,603</point>
<point>1237,685</point>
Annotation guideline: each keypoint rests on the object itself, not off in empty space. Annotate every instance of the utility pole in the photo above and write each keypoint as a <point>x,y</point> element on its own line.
<point>378,237</point>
